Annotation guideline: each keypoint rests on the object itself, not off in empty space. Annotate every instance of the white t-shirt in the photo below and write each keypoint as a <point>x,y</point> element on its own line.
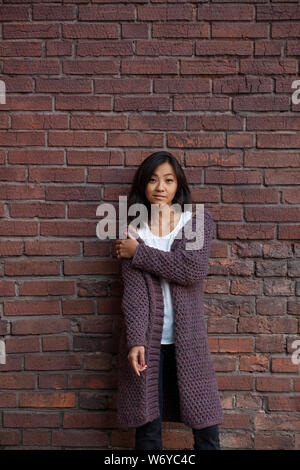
<point>164,244</point>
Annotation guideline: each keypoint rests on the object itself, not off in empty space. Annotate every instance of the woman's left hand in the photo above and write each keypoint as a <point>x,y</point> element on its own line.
<point>126,248</point>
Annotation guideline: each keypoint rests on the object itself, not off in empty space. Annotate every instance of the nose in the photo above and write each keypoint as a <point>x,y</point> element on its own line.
<point>160,185</point>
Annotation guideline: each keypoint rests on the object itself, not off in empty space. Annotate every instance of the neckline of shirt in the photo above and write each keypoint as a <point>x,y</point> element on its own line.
<point>170,233</point>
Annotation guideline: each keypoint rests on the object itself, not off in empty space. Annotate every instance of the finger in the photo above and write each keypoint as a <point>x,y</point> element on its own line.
<point>142,357</point>
<point>135,364</point>
<point>142,365</point>
<point>136,367</point>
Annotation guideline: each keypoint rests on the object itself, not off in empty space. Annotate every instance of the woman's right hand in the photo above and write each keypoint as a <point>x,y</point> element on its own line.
<point>136,357</point>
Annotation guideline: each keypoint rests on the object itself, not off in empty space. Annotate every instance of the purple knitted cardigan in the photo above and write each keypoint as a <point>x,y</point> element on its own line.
<point>199,404</point>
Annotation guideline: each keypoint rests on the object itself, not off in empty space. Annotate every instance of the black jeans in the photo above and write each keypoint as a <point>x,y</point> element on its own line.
<point>148,436</point>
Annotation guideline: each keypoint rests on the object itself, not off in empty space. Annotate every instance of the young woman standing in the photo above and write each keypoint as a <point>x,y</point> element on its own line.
<point>165,368</point>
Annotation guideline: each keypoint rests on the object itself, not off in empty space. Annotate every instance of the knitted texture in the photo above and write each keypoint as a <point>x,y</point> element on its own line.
<point>143,313</point>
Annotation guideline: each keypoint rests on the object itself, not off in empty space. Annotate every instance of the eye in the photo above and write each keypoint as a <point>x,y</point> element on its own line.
<point>168,179</point>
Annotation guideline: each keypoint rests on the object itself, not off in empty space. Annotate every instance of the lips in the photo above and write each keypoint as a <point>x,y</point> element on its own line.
<point>159,197</point>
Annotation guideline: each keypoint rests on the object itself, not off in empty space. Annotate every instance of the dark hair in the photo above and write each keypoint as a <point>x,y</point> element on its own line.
<point>143,175</point>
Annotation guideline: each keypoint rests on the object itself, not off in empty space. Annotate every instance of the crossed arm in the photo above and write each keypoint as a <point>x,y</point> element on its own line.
<point>180,266</point>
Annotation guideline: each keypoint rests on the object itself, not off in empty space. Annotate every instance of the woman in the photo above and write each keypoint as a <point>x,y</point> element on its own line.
<point>165,368</point>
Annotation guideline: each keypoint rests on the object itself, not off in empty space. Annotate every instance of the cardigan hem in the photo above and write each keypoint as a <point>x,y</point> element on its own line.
<point>202,425</point>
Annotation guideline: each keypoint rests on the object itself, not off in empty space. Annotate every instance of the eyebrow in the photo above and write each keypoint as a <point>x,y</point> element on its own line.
<point>164,175</point>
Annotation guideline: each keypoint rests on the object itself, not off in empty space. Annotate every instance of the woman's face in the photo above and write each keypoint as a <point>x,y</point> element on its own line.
<point>162,182</point>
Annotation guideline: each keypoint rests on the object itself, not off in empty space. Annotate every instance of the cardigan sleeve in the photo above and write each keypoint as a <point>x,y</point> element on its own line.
<point>134,304</point>
<point>180,266</point>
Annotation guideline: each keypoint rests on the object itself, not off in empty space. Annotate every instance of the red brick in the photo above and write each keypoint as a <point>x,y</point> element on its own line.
<point>283,364</point>
<point>272,214</point>
<point>29,67</point>
<point>12,381</point>
<point>267,325</point>
<point>90,30</point>
<point>266,47</point>
<point>164,13</point>
<point>209,66</point>
<point>236,421</point>
<point>236,440</point>
<point>54,12</point>
<point>276,422</point>
<point>248,401</point>
<point>274,442</point>
<point>56,381</point>
<point>201,103</point>
<point>278,12</point>
<point>31,419</point>
<point>28,307</point>
<point>55,343</point>
<point>252,195</point>
<point>181,30</point>
<point>47,288</point>
<point>14,13</point>
<point>30,30</point>
<point>164,48</point>
<point>9,438</point>
<point>240,140</point>
<point>105,66</point>
<point>254,363</point>
<point>135,139</point>
<point>261,103</point>
<point>268,66</point>
<point>24,49</point>
<point>149,66</point>
<point>242,85</point>
<point>283,403</point>
<point>106,12</point>
<point>270,343</point>
<point>79,439</point>
<point>273,384</point>
<point>89,420</point>
<point>8,400</point>
<point>47,400</point>
<point>15,345</point>
<point>58,48</point>
<point>235,382</point>
<point>195,140</point>
<point>271,159</point>
<point>215,48</point>
<point>35,438</point>
<point>91,381</point>
<point>278,141</point>
<point>103,48</point>
<point>52,362</point>
<point>138,30</point>
<point>239,30</point>
<point>250,231</point>
<point>225,12</point>
<point>40,326</point>
<point>7,289</point>
<point>285,29</point>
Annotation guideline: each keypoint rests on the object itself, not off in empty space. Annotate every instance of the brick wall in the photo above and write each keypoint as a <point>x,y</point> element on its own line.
<point>92,88</point>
